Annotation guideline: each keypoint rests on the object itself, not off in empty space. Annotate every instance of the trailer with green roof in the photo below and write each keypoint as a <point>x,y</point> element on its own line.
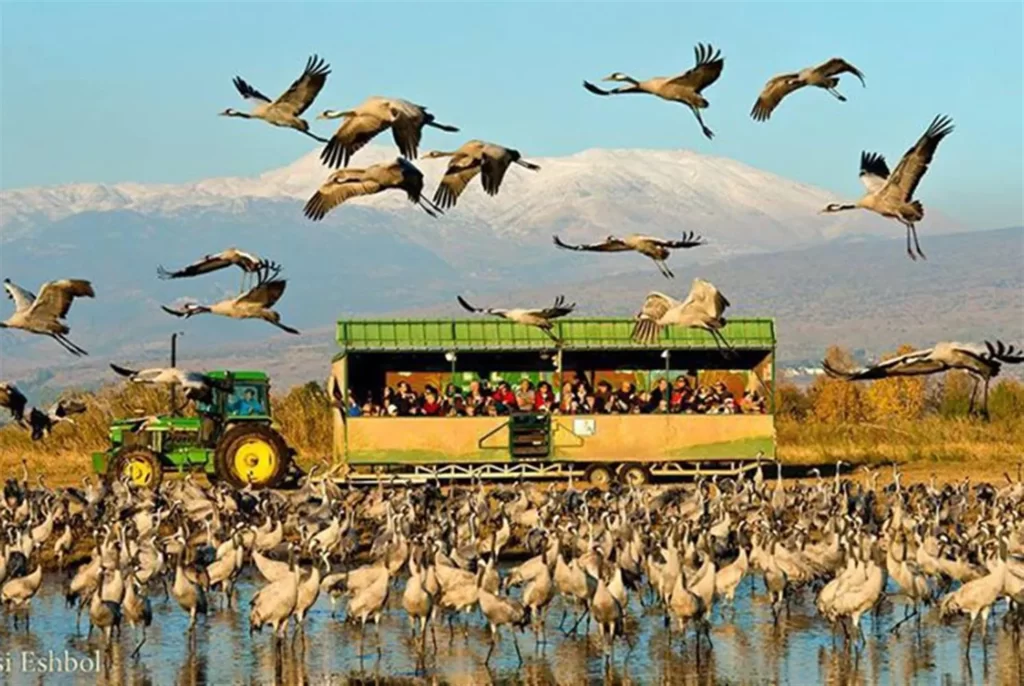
<point>526,445</point>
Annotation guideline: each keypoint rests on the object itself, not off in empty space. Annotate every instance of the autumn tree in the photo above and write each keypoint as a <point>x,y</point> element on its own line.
<point>901,397</point>
<point>793,403</point>
<point>954,394</point>
<point>834,400</point>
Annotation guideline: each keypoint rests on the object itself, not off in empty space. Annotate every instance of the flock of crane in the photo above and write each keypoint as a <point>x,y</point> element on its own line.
<point>889,194</point>
<point>681,552</point>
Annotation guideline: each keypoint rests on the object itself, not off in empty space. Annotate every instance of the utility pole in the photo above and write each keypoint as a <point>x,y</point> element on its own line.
<point>174,363</point>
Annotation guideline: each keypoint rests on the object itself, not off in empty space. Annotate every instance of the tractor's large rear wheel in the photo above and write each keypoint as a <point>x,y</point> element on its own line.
<point>252,454</point>
<point>141,466</point>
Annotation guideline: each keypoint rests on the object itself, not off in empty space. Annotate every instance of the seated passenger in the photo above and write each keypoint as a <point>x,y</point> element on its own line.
<point>544,398</point>
<point>431,404</point>
<point>525,396</point>
<point>504,395</point>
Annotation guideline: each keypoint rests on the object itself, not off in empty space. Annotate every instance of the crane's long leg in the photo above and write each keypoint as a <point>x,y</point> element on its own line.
<point>66,345</point>
<point>836,94</point>
<point>63,344</point>
<point>974,392</point>
<point>728,351</point>
<point>75,346</point>
<point>135,653</point>
<point>909,251</point>
<point>707,132</point>
<point>984,402</point>
<point>917,246</point>
<point>314,136</point>
<point>429,207</point>
<point>665,269</point>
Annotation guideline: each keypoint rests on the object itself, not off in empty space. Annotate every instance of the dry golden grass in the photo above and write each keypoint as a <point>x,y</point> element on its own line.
<point>952,447</point>
<point>303,414</point>
<point>929,439</point>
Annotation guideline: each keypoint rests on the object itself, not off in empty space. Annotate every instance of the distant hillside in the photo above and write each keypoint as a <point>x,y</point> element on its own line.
<point>866,296</point>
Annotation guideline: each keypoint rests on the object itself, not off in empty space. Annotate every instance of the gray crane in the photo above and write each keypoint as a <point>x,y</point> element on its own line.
<point>44,315</point>
<point>702,309</point>
<point>41,422</point>
<point>375,115</point>
<point>196,385</point>
<point>248,263</point>
<point>982,362</point>
<point>256,303</point>
<point>13,400</point>
<point>658,249</point>
<point>286,111</point>
<point>686,88</point>
<point>474,157</point>
<point>824,76</point>
<point>539,317</point>
<point>346,184</point>
<point>890,195</point>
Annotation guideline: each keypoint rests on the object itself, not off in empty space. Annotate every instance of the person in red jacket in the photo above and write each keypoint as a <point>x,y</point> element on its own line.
<point>431,404</point>
<point>504,396</point>
<point>544,398</point>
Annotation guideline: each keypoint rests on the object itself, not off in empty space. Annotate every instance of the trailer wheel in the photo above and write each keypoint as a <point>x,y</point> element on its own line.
<point>634,475</point>
<point>252,454</point>
<point>141,466</point>
<point>600,476</point>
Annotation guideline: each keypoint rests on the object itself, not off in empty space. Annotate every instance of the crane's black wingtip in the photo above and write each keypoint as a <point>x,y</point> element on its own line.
<point>123,371</point>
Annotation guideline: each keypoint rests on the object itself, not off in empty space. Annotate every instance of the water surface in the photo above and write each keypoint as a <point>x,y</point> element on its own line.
<point>748,649</point>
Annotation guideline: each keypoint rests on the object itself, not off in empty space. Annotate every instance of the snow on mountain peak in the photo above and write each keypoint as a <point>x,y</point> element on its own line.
<point>589,193</point>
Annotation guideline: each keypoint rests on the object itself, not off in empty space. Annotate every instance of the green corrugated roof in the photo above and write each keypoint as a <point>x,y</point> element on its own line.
<point>238,375</point>
<point>398,335</point>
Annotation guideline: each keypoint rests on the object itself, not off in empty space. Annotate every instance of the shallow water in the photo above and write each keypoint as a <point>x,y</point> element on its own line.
<point>747,649</point>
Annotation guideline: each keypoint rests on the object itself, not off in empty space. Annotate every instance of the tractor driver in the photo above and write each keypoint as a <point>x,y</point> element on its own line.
<point>248,404</point>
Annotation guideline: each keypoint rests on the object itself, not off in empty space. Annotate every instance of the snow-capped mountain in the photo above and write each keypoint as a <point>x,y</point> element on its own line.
<point>586,196</point>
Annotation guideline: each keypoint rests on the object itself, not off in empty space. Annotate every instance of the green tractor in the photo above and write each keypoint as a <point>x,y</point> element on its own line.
<point>232,439</point>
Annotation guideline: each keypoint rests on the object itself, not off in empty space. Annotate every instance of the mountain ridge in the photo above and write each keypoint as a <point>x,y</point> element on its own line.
<point>591,192</point>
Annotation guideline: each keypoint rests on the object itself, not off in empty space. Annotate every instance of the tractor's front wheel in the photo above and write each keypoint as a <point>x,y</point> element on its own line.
<point>141,466</point>
<point>252,454</point>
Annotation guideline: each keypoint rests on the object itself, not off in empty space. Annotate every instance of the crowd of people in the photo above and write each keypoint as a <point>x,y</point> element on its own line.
<point>575,397</point>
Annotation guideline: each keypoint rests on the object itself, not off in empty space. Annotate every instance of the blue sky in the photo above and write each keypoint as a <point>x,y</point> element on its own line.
<point>129,92</point>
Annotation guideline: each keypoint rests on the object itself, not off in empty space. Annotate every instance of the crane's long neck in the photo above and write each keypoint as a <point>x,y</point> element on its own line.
<point>836,207</point>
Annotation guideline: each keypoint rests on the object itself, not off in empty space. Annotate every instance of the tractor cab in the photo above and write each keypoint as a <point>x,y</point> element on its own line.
<point>231,438</point>
<point>245,396</point>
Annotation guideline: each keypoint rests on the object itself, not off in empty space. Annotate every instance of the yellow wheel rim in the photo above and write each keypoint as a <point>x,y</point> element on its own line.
<point>600,477</point>
<point>139,471</point>
<point>256,461</point>
<point>635,477</point>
